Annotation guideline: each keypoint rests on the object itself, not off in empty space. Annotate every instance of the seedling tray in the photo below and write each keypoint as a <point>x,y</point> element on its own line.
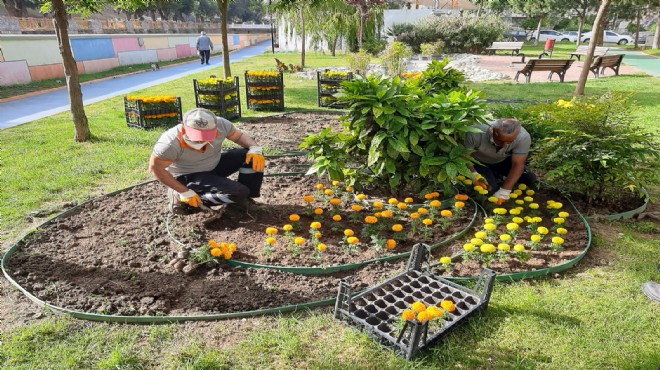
<point>378,310</point>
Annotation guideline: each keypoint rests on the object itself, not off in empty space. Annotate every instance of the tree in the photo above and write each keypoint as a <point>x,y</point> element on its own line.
<point>579,8</point>
<point>535,8</point>
<point>596,30</point>
<point>364,8</point>
<point>296,11</point>
<point>223,5</point>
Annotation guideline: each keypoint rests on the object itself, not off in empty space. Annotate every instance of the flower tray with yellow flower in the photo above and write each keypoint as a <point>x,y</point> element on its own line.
<point>152,111</point>
<point>219,95</point>
<point>264,90</point>
<point>328,84</point>
<point>413,310</point>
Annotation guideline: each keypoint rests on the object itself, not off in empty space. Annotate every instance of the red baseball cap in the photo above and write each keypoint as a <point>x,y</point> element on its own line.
<point>200,124</point>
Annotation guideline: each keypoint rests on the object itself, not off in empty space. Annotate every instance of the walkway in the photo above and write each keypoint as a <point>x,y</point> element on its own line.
<point>637,59</point>
<point>37,106</point>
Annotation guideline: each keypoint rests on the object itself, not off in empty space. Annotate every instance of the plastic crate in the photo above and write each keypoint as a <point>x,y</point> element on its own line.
<point>327,87</point>
<point>223,100</point>
<point>264,93</point>
<point>150,115</point>
<point>378,310</point>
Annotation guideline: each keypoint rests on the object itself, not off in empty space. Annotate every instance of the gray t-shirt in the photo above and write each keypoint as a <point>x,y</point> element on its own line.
<point>487,153</point>
<point>170,147</point>
<point>204,43</point>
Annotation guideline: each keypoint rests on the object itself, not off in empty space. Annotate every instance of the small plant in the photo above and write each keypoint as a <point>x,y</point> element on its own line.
<point>359,62</point>
<point>395,58</point>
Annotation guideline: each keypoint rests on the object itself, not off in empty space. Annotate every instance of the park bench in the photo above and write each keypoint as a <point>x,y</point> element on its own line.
<point>558,66</point>
<point>514,46</point>
<point>606,61</point>
<point>582,50</point>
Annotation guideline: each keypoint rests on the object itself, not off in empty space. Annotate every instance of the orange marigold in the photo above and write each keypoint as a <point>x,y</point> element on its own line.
<point>390,243</point>
<point>445,213</point>
<point>216,252</point>
<point>408,315</point>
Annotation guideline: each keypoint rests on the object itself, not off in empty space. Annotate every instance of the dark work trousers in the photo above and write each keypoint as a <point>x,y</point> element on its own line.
<point>205,55</point>
<point>215,188</point>
<point>495,173</point>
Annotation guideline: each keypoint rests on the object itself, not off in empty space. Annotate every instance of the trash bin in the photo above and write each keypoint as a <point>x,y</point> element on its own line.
<point>549,44</point>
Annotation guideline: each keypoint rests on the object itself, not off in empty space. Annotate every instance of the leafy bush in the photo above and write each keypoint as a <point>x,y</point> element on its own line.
<point>359,62</point>
<point>465,34</point>
<point>438,79</point>
<point>594,149</point>
<point>395,58</point>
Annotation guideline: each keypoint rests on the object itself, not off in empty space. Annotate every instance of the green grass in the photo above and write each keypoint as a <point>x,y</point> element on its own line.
<point>593,316</point>
<point>655,52</point>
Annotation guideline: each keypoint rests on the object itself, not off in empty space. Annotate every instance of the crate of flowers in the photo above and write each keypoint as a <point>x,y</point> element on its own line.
<point>413,310</point>
<point>219,95</point>
<point>264,90</point>
<point>328,84</point>
<point>152,111</point>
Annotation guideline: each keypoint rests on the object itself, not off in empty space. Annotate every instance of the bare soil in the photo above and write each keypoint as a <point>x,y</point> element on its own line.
<point>114,255</point>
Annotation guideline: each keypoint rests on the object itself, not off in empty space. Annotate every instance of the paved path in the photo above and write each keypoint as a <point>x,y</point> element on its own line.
<point>22,110</point>
<point>637,59</point>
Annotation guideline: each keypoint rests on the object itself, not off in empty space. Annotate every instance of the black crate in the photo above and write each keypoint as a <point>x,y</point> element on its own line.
<point>378,310</point>
<point>150,115</point>
<point>264,93</point>
<point>221,98</point>
<point>327,86</point>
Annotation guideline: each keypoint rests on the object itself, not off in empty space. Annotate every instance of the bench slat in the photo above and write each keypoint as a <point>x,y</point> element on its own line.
<point>558,66</point>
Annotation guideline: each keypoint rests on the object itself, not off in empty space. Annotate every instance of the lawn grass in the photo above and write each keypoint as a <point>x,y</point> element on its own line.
<point>592,316</point>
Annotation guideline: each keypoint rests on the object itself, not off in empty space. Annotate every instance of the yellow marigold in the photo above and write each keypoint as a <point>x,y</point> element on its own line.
<point>517,192</point>
<point>378,205</point>
<point>402,206</point>
<point>459,204</point>
<point>487,248</point>
<point>315,225</point>
<point>530,192</point>
<point>335,201</point>
<point>480,235</point>
<point>435,194</point>
<point>423,316</point>
<point>533,205</point>
<point>517,220</point>
<point>503,247</point>
<point>445,213</point>
<point>371,219</point>
<point>213,244</point>
<point>378,214</point>
<point>536,219</point>
<point>427,222</point>
<point>476,241</point>
<point>408,200</point>
<point>418,306</point>
<point>361,197</point>
<point>271,231</point>
<point>232,247</point>
<point>522,186</point>
<point>321,247</point>
<point>408,315</point>
<point>447,305</point>
<point>216,252</point>
<point>287,227</point>
<point>483,192</point>
<point>519,248</point>
<point>397,227</point>
<point>467,182</point>
<point>349,232</point>
<point>328,192</point>
<point>319,186</point>
<point>520,201</point>
<point>349,188</point>
<point>356,207</point>
<point>489,220</point>
<point>392,201</point>
<point>270,240</point>
<point>513,195</point>
<point>528,199</point>
<point>558,220</point>
<point>352,240</point>
<point>478,188</point>
<point>445,260</point>
<point>550,202</point>
<point>414,215</point>
<point>294,217</point>
<point>500,211</point>
<point>542,230</point>
<point>512,226</point>
<point>428,196</point>
<point>535,238</point>
<point>422,211</point>
<point>468,247</point>
<point>514,211</point>
<point>557,205</point>
<point>299,240</point>
<point>562,231</point>
<point>490,227</point>
<point>563,214</point>
<point>434,312</point>
<point>317,234</point>
<point>335,182</point>
<point>336,217</point>
<point>528,219</point>
<point>505,237</point>
<point>558,240</point>
<point>435,203</point>
<point>387,213</point>
<point>390,243</point>
<point>308,198</point>
<point>460,177</point>
<point>318,211</point>
<point>492,199</point>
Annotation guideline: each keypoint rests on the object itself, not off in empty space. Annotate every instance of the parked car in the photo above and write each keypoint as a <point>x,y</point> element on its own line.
<point>610,37</point>
<point>515,35</point>
<point>572,35</point>
<point>549,35</point>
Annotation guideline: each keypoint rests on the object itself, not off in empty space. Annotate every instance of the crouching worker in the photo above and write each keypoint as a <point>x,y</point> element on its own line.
<point>502,148</point>
<point>188,158</point>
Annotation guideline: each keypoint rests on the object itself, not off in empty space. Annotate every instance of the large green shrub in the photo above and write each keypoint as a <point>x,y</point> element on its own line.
<point>469,33</point>
<point>395,58</point>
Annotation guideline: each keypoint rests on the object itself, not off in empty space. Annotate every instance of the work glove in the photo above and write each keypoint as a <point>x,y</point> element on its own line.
<point>191,198</point>
<point>478,180</point>
<point>502,195</point>
<point>255,156</point>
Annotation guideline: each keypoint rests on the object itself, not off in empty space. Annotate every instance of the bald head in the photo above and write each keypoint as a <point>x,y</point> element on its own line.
<point>505,130</point>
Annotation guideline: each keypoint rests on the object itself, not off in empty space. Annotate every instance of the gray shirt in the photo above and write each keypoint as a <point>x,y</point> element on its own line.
<point>488,153</point>
<point>204,43</point>
<point>171,147</point>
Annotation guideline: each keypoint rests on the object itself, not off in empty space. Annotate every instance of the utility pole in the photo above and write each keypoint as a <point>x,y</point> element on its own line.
<point>272,27</point>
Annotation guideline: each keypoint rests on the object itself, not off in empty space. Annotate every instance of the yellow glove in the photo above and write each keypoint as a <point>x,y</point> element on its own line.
<point>255,156</point>
<point>479,180</point>
<point>191,198</point>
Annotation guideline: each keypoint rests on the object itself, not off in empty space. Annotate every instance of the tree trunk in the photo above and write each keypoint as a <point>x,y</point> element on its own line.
<point>579,31</point>
<point>597,29</point>
<point>304,36</point>
<point>61,23</point>
<point>222,6</point>
<point>333,46</point>
<point>637,16</point>
<point>360,28</point>
<point>601,28</point>
<point>656,37</point>
<point>538,30</point>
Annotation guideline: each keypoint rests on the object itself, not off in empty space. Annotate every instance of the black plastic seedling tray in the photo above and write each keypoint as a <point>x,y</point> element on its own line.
<point>378,309</point>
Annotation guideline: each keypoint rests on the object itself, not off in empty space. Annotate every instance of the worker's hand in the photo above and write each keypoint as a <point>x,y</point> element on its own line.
<point>478,180</point>
<point>502,195</point>
<point>255,156</point>
<point>191,198</point>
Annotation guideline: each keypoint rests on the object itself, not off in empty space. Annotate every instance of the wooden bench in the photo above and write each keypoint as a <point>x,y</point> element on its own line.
<point>558,66</point>
<point>514,46</point>
<point>606,61</point>
<point>582,50</point>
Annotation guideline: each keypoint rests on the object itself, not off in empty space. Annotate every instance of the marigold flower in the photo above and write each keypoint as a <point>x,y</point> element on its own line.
<point>445,213</point>
<point>321,247</point>
<point>503,247</point>
<point>335,182</point>
<point>435,194</point>
<point>315,225</point>
<point>558,220</point>
<point>513,195</point>
<point>519,248</point>
<point>402,206</point>
<point>562,231</point>
<point>336,217</point>
<point>349,188</point>
<point>520,201</point>
<point>397,227</point>
<point>317,234</point>
<point>319,186</point>
<point>408,200</point>
<point>371,219</point>
<point>387,213</point>
<point>422,211</point>
<point>487,248</point>
<point>563,214</point>
<point>423,316</point>
<point>294,217</point>
<point>414,215</point>
<point>392,201</point>
<point>517,192</point>
<point>328,192</point>
<point>542,230</point>
<point>467,182</point>
<point>447,305</point>
<point>287,227</point>
<point>468,247</point>
<point>492,199</point>
<point>308,198</point>
<point>557,205</point>
<point>378,214</point>
<point>349,232</point>
<point>533,205</point>
<point>418,306</point>
<point>335,201</point>
<point>352,240</point>
<point>408,315</point>
<point>490,227</point>
<point>517,220</point>
<point>480,235</point>
<point>483,192</point>
<point>535,238</point>
<point>505,237</point>
<point>271,231</point>
<point>558,240</point>
<point>445,260</point>
<point>478,188</point>
<point>427,222</point>
<point>434,312</point>
<point>500,211</point>
<point>459,204</point>
<point>378,205</point>
<point>489,220</point>
<point>318,211</point>
<point>428,196</point>
<point>390,243</point>
<point>270,240</point>
<point>361,197</point>
<point>536,219</point>
<point>476,241</point>
<point>460,177</point>
<point>299,240</point>
<point>356,207</point>
<point>522,186</point>
<point>528,199</point>
<point>512,226</point>
<point>216,252</point>
<point>514,211</point>
<point>213,244</point>
<point>435,203</point>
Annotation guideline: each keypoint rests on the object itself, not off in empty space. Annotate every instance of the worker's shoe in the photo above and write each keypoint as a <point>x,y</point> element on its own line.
<point>176,206</point>
<point>652,290</point>
<point>244,204</point>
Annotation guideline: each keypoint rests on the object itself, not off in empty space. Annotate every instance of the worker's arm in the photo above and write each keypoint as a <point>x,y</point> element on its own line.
<point>517,168</point>
<point>157,167</point>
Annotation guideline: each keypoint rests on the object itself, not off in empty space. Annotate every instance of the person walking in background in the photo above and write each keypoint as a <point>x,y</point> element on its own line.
<point>204,47</point>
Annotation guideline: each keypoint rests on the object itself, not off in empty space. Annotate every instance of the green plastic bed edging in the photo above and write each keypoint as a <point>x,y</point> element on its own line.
<point>628,214</point>
<point>540,272</point>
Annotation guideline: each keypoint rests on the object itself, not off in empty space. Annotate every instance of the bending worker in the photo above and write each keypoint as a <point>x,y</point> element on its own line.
<point>501,147</point>
<point>188,158</point>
